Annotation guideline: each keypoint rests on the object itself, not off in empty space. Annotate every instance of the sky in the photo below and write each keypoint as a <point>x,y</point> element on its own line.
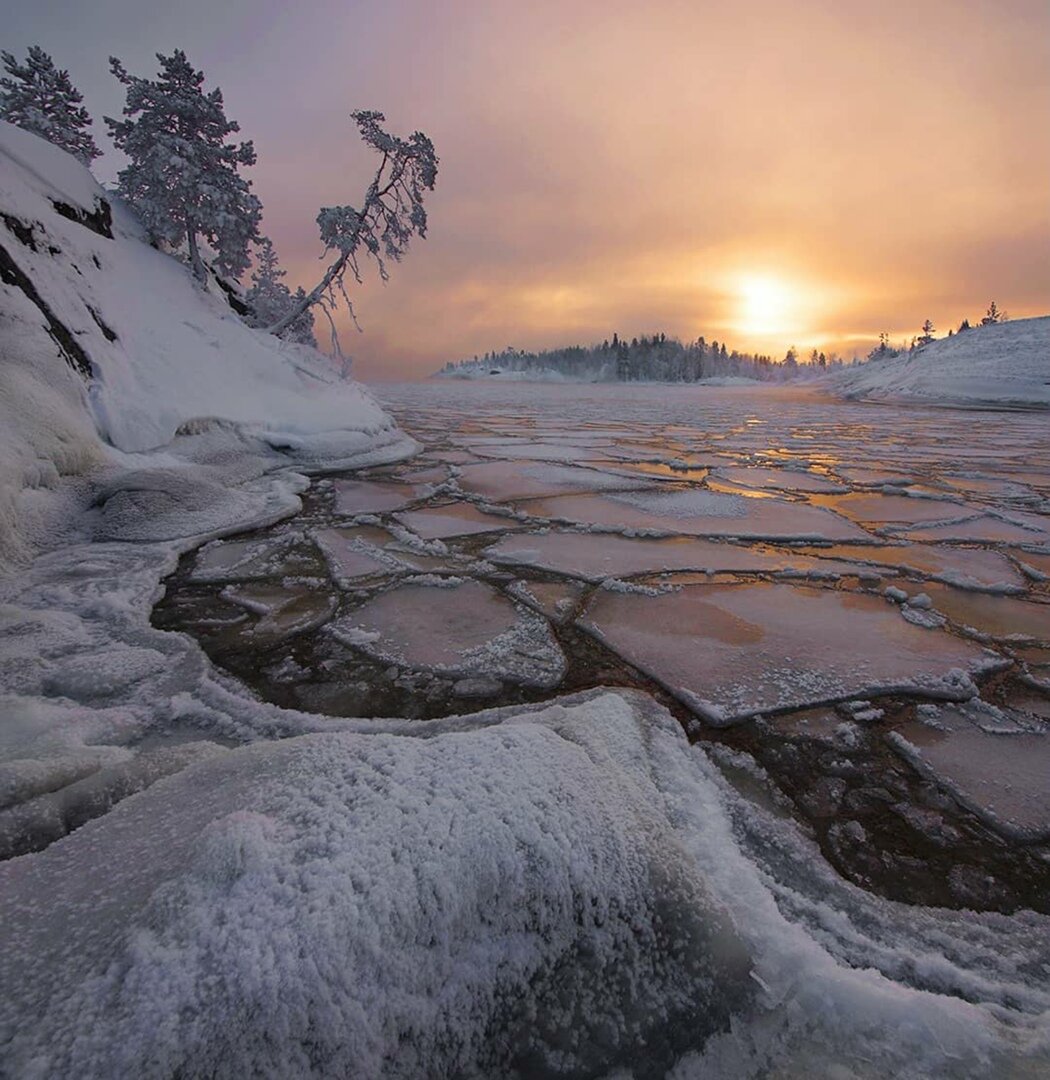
<point>763,173</point>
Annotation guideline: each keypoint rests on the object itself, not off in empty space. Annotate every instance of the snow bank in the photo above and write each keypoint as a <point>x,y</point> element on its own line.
<point>1005,364</point>
<point>106,342</point>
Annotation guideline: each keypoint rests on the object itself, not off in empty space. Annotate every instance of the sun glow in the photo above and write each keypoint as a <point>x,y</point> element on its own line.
<point>766,305</point>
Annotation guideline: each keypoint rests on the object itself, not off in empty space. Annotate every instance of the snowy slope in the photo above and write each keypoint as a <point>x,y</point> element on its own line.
<point>106,343</point>
<point>1005,364</point>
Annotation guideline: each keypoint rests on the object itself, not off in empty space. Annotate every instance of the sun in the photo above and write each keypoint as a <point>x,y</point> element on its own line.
<point>766,305</point>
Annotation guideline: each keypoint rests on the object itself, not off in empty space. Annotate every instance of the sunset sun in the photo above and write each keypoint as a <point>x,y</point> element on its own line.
<point>765,305</point>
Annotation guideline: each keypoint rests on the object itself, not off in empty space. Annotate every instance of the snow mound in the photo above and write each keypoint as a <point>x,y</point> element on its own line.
<point>512,895</point>
<point>1005,364</point>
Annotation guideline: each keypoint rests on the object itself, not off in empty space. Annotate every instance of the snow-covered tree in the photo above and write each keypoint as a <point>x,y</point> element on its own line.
<point>883,349</point>
<point>270,299</point>
<point>927,333</point>
<point>183,176</point>
<point>40,98</point>
<point>993,315</point>
<point>391,213</point>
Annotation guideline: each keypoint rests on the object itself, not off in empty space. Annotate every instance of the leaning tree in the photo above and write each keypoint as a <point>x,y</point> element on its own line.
<point>183,176</point>
<point>42,99</point>
<point>390,214</point>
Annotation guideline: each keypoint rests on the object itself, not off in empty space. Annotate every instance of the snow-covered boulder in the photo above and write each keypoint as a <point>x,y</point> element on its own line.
<point>1004,364</point>
<point>108,344</point>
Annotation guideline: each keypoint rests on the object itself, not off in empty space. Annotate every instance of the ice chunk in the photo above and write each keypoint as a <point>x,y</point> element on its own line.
<point>698,512</point>
<point>1001,777</point>
<point>987,528</point>
<point>555,599</point>
<point>468,628</point>
<point>245,560</point>
<point>349,557</point>
<point>780,479</point>
<point>504,480</point>
<point>734,651</point>
<point>459,519</point>
<point>285,610</point>
<point>967,568</point>
<point>354,497</point>
<point>896,508</point>
<point>597,557</point>
<point>504,448</point>
<point>1001,618</point>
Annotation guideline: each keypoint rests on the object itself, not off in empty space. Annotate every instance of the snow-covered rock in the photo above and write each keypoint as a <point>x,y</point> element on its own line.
<point>107,345</point>
<point>513,893</point>
<point>1004,364</point>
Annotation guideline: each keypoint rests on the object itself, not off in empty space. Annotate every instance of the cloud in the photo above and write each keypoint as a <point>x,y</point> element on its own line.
<point>608,165</point>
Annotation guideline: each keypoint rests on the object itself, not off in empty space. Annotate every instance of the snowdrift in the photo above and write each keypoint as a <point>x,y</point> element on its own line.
<point>1006,364</point>
<point>162,353</point>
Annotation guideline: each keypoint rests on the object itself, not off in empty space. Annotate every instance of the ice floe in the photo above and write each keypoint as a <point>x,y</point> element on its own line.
<point>734,651</point>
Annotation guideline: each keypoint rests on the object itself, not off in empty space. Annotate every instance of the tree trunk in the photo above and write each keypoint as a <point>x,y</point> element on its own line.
<point>199,271</point>
<point>311,297</point>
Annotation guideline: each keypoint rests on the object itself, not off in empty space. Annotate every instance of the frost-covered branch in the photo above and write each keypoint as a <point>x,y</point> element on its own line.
<point>391,213</point>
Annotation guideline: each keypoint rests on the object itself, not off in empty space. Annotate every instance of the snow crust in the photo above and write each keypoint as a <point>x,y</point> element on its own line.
<point>1004,364</point>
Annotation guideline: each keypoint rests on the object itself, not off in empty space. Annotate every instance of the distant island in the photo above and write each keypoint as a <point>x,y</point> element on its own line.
<point>658,358</point>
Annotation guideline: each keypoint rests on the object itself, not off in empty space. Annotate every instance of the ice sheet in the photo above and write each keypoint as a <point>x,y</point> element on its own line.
<point>464,628</point>
<point>1003,777</point>
<point>459,519</point>
<point>699,513</point>
<point>733,651</point>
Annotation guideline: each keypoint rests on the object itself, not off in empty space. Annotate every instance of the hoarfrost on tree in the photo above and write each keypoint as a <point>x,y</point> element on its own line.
<point>40,98</point>
<point>270,299</point>
<point>391,214</point>
<point>183,176</point>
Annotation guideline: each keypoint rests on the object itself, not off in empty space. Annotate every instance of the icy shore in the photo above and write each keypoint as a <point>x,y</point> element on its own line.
<point>222,887</point>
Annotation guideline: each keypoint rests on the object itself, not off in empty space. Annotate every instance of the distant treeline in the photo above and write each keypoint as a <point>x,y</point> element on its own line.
<point>658,358</point>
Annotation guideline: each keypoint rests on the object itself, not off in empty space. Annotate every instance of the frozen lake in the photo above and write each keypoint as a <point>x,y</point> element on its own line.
<point>622,730</point>
<point>855,595</point>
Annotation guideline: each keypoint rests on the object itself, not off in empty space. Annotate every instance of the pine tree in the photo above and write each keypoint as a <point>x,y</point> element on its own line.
<point>927,333</point>
<point>391,213</point>
<point>270,299</point>
<point>993,315</point>
<point>40,98</point>
<point>183,176</point>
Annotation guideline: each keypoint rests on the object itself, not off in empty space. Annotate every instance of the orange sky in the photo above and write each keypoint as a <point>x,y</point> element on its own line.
<point>851,167</point>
